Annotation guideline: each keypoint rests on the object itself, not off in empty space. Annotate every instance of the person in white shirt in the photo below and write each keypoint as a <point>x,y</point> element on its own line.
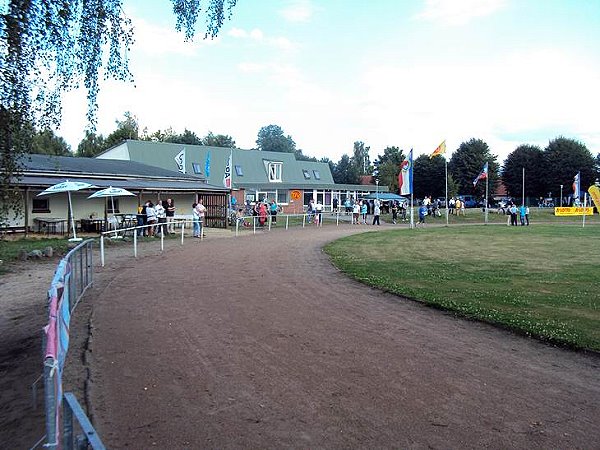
<point>201,211</point>
<point>151,218</point>
<point>161,215</point>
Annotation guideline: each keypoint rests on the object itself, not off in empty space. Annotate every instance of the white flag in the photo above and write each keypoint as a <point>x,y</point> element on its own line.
<point>227,174</point>
<point>180,160</point>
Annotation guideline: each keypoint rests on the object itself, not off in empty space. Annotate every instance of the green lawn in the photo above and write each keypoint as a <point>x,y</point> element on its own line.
<point>542,280</point>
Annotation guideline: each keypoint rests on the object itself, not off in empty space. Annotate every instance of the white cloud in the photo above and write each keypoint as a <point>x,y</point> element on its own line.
<point>250,67</point>
<point>458,12</point>
<point>155,40</point>
<point>523,94</point>
<point>298,11</point>
<point>258,35</point>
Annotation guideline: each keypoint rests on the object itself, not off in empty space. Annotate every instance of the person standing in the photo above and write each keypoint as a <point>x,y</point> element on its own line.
<point>170,213</point>
<point>527,215</point>
<point>319,211</point>
<point>161,215</point>
<point>422,214</point>
<point>151,217</point>
<point>355,213</point>
<point>273,210</point>
<point>201,217</point>
<point>376,212</point>
<point>335,205</point>
<point>364,209</point>
<point>522,212</point>
<point>513,215</point>
<point>195,220</point>
<point>394,211</point>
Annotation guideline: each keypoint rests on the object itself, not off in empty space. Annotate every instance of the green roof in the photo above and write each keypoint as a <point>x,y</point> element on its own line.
<point>252,164</point>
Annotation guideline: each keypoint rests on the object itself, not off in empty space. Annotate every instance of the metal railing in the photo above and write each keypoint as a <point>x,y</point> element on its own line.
<point>73,276</point>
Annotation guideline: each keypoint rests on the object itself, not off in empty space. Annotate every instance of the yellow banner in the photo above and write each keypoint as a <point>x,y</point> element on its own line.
<point>595,194</point>
<point>573,211</point>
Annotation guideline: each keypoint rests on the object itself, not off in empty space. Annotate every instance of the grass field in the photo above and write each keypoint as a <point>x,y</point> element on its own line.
<point>541,280</point>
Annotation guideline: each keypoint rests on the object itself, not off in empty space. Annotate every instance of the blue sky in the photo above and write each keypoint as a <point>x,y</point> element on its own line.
<point>408,73</point>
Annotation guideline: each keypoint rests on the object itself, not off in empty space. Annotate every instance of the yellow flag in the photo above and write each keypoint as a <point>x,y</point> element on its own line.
<point>595,193</point>
<point>440,150</point>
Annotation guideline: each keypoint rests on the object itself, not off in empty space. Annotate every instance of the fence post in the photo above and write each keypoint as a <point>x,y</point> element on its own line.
<point>162,240</point>
<point>303,219</point>
<point>67,426</point>
<point>102,249</point>
<point>237,227</point>
<point>50,400</point>
<point>135,245</point>
<point>287,221</point>
<point>182,231</point>
<point>254,222</point>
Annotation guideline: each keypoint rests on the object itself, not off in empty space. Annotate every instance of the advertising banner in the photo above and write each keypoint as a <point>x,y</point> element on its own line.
<point>573,211</point>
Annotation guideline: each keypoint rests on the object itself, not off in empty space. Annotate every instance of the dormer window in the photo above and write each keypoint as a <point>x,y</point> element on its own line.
<point>274,170</point>
<point>317,174</point>
<point>306,174</point>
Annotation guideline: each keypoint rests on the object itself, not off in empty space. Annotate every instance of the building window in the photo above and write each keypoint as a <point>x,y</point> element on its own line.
<point>317,174</point>
<point>282,197</point>
<point>306,174</point>
<point>274,170</point>
<point>112,206</point>
<point>238,171</point>
<point>197,168</point>
<point>40,205</point>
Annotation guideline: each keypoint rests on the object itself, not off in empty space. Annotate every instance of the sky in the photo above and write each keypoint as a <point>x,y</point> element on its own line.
<point>405,73</point>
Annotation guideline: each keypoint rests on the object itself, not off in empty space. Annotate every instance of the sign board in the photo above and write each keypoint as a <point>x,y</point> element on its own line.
<point>573,211</point>
<point>295,194</point>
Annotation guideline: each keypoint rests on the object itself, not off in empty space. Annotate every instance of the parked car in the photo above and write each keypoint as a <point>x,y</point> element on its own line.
<point>469,200</point>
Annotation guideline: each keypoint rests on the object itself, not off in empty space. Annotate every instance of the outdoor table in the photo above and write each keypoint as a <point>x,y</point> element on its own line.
<point>51,225</point>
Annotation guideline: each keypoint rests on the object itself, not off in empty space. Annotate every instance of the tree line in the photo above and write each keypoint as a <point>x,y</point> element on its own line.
<point>545,169</point>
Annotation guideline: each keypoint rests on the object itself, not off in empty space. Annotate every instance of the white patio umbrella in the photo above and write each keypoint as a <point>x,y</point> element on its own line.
<point>68,186</point>
<point>112,192</point>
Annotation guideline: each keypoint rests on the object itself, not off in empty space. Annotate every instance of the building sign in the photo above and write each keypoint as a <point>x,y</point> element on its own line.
<point>295,194</point>
<point>573,211</point>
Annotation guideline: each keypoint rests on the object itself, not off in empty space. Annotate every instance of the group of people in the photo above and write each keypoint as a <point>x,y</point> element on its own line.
<point>360,211</point>
<point>156,220</point>
<point>198,218</point>
<point>456,206</point>
<point>522,211</point>
<point>261,209</point>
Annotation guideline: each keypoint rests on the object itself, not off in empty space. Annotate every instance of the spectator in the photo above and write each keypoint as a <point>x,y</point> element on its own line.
<point>355,213</point>
<point>201,217</point>
<point>376,212</point>
<point>522,212</point>
<point>161,215</point>
<point>394,211</point>
<point>422,214</point>
<point>151,217</point>
<point>170,214</point>
<point>513,215</point>
<point>319,210</point>
<point>364,210</point>
<point>195,220</point>
<point>273,210</point>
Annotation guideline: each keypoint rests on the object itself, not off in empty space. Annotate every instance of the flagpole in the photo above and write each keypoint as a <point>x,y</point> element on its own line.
<point>487,178</point>
<point>447,219</point>
<point>584,202</point>
<point>523,195</point>
<point>412,222</point>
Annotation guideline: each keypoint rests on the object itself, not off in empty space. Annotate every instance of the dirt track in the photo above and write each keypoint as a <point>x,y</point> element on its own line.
<point>260,343</point>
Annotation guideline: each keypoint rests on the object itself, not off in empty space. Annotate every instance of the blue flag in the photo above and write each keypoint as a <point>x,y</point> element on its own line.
<point>207,165</point>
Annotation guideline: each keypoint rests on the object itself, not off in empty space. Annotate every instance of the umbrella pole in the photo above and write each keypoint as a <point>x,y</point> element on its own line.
<point>72,215</point>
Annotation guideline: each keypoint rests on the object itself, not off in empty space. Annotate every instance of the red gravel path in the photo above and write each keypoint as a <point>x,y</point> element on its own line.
<point>258,342</point>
